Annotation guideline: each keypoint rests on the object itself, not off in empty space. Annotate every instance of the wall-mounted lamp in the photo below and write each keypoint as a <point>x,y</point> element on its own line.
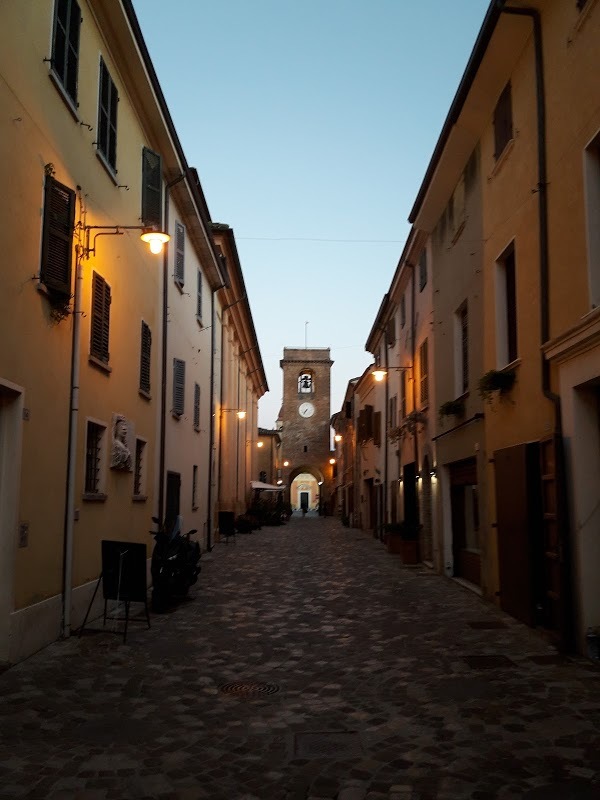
<point>240,414</point>
<point>338,437</point>
<point>286,463</point>
<point>332,460</point>
<point>320,483</point>
<point>279,482</point>
<point>432,473</point>
<point>379,373</point>
<point>156,239</point>
<point>259,444</point>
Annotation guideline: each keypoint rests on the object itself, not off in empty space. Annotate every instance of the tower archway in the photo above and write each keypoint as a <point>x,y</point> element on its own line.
<point>305,484</point>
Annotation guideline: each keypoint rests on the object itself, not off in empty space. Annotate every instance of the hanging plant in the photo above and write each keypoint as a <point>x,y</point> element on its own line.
<point>60,307</point>
<point>452,408</point>
<point>501,381</point>
<point>409,426</point>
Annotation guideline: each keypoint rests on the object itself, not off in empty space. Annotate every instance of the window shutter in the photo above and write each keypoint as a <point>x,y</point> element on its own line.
<point>377,428</point>
<point>151,188</point>
<point>503,129</point>
<point>196,407</point>
<point>423,270</point>
<point>402,311</point>
<point>199,297</point>
<point>390,332</point>
<point>424,373</point>
<point>107,116</point>
<point>100,326</point>
<point>57,237</point>
<point>369,422</point>
<point>65,48</point>
<point>179,253</point>
<point>178,386</point>
<point>145,352</point>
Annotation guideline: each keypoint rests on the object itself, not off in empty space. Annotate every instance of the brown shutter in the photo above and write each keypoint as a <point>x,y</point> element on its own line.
<point>377,428</point>
<point>178,387</point>
<point>100,327</point>
<point>151,188</point>
<point>196,407</point>
<point>369,422</point>
<point>179,253</point>
<point>145,352</point>
<point>57,237</point>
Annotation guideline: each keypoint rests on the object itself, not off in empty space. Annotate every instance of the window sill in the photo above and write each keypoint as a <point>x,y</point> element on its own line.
<point>199,321</point>
<point>99,364</point>
<point>143,393</point>
<point>176,415</point>
<point>197,428</point>
<point>94,497</point>
<point>512,365</point>
<point>70,104</point>
<point>179,284</point>
<point>110,170</point>
<point>139,498</point>
<point>52,295</point>
<point>508,148</point>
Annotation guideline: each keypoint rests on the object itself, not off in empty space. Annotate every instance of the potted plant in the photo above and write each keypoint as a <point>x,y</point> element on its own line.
<point>452,408</point>
<point>408,426</point>
<point>402,538</point>
<point>501,381</point>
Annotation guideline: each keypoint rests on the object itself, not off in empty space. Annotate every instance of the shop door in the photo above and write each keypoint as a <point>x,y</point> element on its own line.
<point>173,497</point>
<point>464,501</point>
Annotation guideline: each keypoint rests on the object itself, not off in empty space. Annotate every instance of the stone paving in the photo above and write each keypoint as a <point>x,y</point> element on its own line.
<point>353,678</point>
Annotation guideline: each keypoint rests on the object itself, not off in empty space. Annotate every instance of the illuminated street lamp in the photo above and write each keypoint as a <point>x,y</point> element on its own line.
<point>338,437</point>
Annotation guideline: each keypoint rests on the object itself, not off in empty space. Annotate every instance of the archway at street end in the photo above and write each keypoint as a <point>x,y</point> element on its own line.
<point>305,488</point>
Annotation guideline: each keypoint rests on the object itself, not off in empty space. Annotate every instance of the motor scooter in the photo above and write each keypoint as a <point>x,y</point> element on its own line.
<point>175,563</point>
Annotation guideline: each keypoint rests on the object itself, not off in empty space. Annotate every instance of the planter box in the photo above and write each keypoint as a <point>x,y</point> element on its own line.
<point>408,550</point>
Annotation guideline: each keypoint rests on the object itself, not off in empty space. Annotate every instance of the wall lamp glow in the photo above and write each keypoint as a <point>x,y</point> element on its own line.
<point>286,463</point>
<point>155,239</point>
<point>240,414</point>
<point>379,374</point>
<point>259,444</point>
<point>320,483</point>
<point>279,482</point>
<point>332,460</point>
<point>338,437</point>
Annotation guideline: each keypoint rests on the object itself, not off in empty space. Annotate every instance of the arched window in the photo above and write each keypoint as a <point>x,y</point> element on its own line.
<point>305,383</point>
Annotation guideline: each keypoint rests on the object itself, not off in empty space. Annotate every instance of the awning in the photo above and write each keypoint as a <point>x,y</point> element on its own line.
<point>266,487</point>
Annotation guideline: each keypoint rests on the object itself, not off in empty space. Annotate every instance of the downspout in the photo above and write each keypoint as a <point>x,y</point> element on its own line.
<point>385,436</point>
<point>414,379</point>
<point>542,193</point>
<point>211,435</point>
<point>72,444</point>
<point>163,387</point>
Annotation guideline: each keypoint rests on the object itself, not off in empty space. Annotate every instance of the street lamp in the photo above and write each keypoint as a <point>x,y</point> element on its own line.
<point>259,444</point>
<point>338,437</point>
<point>153,237</point>
<point>286,463</point>
<point>379,373</point>
<point>240,414</point>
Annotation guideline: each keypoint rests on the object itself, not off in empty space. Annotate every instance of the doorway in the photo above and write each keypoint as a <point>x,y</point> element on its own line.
<point>464,501</point>
<point>11,415</point>
<point>304,501</point>
<point>173,498</point>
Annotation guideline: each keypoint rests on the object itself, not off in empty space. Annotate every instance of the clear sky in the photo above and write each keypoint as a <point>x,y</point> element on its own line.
<point>311,124</point>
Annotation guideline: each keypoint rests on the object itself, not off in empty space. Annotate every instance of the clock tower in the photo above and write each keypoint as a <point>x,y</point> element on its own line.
<point>304,418</point>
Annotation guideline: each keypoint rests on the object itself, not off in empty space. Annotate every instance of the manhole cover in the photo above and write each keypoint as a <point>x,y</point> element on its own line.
<point>487,624</point>
<point>248,688</point>
<point>328,744</point>
<point>488,662</point>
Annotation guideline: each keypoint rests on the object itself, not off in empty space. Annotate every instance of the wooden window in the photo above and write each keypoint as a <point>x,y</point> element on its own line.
<point>402,395</point>
<point>93,451</point>
<point>393,412</point>
<point>65,45</point>
<point>377,428</point>
<point>423,271</point>
<point>179,254</point>
<point>178,387</point>
<point>506,308</point>
<point>423,359</point>
<point>503,125</point>
<point>138,471</point>
<point>194,487</point>
<point>463,319</point>
<point>145,361</point>
<point>100,324</point>
<point>199,298</point>
<point>402,311</point>
<point>196,407</point>
<point>57,237</point>
<point>107,118</point>
<point>511,305</point>
<point>151,188</point>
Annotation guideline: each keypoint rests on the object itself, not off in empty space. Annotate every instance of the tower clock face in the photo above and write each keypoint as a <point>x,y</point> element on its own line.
<point>306,410</point>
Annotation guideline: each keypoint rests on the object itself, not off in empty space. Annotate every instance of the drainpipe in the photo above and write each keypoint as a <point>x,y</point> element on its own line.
<point>414,379</point>
<point>72,445</point>
<point>211,435</point>
<point>163,387</point>
<point>542,193</point>
<point>385,436</point>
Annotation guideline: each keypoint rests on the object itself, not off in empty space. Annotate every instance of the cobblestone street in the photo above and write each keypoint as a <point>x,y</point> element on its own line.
<point>371,680</point>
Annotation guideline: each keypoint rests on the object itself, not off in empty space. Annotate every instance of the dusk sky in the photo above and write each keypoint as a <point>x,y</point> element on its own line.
<point>311,124</point>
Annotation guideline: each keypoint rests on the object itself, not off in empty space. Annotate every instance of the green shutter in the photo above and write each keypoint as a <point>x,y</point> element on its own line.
<point>179,253</point>
<point>145,352</point>
<point>100,326</point>
<point>151,188</point>
<point>57,237</point>
<point>178,387</point>
<point>196,407</point>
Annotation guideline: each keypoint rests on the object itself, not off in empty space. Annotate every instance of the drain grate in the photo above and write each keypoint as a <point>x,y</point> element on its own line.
<point>248,688</point>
